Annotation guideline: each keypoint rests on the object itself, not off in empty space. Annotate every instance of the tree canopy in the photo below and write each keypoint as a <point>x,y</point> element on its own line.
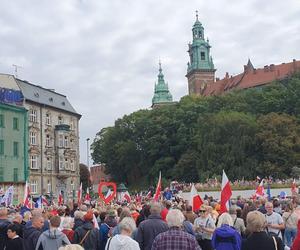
<point>247,133</point>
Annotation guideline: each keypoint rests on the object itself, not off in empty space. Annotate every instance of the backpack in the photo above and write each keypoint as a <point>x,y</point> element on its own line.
<point>226,238</point>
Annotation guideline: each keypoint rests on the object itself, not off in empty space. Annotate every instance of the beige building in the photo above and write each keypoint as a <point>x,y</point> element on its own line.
<point>53,137</point>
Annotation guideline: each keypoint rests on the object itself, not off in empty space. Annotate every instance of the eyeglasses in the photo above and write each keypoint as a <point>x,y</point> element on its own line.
<point>202,211</point>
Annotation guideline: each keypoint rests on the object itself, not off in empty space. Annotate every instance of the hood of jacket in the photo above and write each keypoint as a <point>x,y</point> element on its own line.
<point>225,231</point>
<point>29,231</point>
<point>121,242</point>
<point>53,234</point>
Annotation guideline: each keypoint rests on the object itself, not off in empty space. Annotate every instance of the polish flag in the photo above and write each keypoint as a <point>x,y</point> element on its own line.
<point>260,191</point>
<point>149,194</point>
<point>126,197</point>
<point>87,195</point>
<point>60,199</point>
<point>109,193</point>
<point>79,194</point>
<point>294,188</point>
<point>158,188</point>
<point>195,199</point>
<point>225,193</point>
<point>26,201</point>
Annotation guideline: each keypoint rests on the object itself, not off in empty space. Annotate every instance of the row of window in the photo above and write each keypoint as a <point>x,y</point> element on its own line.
<point>34,186</point>
<point>15,122</point>
<point>64,163</point>
<point>33,118</point>
<point>15,148</point>
<point>15,174</point>
<point>63,141</point>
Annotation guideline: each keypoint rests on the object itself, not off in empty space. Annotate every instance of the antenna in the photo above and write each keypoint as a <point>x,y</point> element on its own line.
<point>16,69</point>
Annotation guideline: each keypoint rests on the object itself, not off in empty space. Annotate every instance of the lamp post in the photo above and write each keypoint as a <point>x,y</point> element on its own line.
<point>87,153</point>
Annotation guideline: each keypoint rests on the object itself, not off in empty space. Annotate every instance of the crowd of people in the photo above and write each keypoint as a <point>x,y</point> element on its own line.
<point>149,225</point>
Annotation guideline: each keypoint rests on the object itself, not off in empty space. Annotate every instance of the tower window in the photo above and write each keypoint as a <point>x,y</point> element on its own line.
<point>202,56</point>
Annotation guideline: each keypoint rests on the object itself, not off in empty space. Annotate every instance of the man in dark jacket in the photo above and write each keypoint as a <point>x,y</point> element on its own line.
<point>150,228</point>
<point>87,236</point>
<point>33,232</point>
<point>4,223</point>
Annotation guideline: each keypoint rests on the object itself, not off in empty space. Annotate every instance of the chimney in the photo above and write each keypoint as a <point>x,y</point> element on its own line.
<point>254,71</point>
<point>272,67</point>
<point>217,79</point>
<point>294,65</point>
<point>226,75</point>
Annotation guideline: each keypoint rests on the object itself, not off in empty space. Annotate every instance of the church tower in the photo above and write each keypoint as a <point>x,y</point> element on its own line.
<point>200,70</point>
<point>162,95</point>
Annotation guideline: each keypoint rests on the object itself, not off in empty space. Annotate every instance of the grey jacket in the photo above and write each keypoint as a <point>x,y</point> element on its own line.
<point>52,239</point>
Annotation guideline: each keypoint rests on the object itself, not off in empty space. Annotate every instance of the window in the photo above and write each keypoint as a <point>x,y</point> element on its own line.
<point>15,123</point>
<point>72,186</point>
<point>32,138</point>
<point>202,56</point>
<point>15,174</point>
<point>60,120</point>
<point>66,142</point>
<point>1,147</point>
<point>33,187</point>
<point>66,164</point>
<point>47,140</point>
<point>72,165</point>
<point>49,187</point>
<point>2,121</point>
<point>1,173</point>
<point>71,144</point>
<point>16,149</point>
<point>48,119</point>
<point>33,115</point>
<point>61,141</point>
<point>72,125</point>
<point>61,163</point>
<point>33,162</point>
<point>49,163</point>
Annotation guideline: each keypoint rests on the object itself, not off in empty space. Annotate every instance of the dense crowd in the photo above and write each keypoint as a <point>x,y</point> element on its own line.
<point>148,225</point>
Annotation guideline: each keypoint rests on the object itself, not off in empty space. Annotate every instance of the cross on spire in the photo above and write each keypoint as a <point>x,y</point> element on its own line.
<point>197,15</point>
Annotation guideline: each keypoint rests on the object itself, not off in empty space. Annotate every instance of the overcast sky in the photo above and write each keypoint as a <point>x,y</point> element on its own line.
<point>103,54</point>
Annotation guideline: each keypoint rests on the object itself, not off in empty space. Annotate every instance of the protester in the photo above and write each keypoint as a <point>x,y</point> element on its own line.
<point>15,242</point>
<point>33,231</point>
<point>86,235</point>
<point>290,220</point>
<point>52,238</point>
<point>67,226</point>
<point>274,221</point>
<point>189,214</point>
<point>204,228</point>
<point>4,222</point>
<point>225,237</point>
<point>238,223</point>
<point>151,227</point>
<point>123,241</point>
<point>258,238</point>
<point>78,219</point>
<point>175,238</point>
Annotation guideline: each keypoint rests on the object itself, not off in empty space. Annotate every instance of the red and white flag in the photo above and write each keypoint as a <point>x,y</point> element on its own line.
<point>158,188</point>
<point>79,194</point>
<point>260,190</point>
<point>26,202</point>
<point>195,199</point>
<point>225,193</point>
<point>126,197</point>
<point>60,199</point>
<point>87,195</point>
<point>294,188</point>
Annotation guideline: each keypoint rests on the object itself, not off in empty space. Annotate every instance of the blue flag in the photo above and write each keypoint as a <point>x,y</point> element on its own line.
<point>269,192</point>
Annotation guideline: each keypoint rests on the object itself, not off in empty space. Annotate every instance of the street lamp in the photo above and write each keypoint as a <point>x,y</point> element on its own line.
<point>87,153</point>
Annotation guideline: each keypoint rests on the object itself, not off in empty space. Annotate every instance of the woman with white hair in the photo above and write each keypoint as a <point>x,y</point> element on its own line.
<point>123,241</point>
<point>225,236</point>
<point>258,239</point>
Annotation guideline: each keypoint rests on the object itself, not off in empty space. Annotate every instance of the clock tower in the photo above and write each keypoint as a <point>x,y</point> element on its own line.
<point>200,68</point>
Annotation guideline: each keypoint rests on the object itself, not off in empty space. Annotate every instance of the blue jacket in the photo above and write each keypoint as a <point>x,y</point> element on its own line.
<point>226,238</point>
